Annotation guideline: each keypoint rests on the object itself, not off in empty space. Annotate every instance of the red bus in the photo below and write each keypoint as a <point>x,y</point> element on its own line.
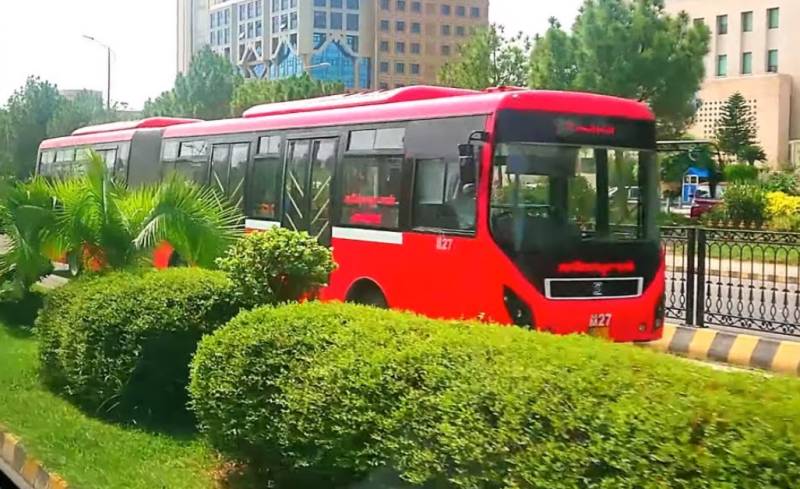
<point>511,205</point>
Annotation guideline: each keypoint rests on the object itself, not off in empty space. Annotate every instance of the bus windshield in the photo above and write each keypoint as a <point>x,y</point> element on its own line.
<point>548,195</point>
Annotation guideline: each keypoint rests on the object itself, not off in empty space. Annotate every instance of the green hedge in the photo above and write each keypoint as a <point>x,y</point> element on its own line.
<point>122,342</point>
<point>327,395</point>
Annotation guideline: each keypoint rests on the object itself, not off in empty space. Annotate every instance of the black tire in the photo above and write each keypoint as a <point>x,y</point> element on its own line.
<point>368,295</point>
<point>175,260</point>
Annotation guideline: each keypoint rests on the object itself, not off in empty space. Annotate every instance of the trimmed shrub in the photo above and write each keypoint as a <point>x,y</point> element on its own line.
<point>277,266</point>
<point>740,173</point>
<point>121,343</point>
<point>746,204</point>
<point>781,182</point>
<point>327,395</point>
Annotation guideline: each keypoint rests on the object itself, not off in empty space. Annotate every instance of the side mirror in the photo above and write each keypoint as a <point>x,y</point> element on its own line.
<point>467,164</point>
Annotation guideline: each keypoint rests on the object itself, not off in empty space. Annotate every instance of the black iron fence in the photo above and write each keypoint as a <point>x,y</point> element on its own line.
<point>744,279</point>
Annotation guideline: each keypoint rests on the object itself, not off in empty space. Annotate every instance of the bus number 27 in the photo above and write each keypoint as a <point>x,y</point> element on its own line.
<point>600,320</point>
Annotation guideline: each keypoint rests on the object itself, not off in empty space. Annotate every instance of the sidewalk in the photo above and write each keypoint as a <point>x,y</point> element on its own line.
<point>755,271</point>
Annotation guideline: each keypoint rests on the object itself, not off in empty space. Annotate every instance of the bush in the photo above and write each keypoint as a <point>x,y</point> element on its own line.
<point>781,182</point>
<point>746,203</point>
<point>122,342</point>
<point>740,173</point>
<point>277,266</point>
<point>329,394</point>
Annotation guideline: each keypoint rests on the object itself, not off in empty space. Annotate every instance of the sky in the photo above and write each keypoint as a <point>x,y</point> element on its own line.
<point>44,38</point>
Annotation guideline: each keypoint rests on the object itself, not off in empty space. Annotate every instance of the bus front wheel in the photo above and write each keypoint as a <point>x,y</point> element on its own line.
<point>367,293</point>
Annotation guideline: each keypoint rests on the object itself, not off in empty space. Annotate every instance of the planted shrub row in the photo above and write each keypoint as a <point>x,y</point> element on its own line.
<point>328,395</point>
<point>123,341</point>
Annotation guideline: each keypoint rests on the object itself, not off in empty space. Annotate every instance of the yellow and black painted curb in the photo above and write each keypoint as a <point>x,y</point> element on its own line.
<point>22,469</point>
<point>732,348</point>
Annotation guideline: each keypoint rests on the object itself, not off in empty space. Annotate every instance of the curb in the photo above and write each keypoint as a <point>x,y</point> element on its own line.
<point>736,349</point>
<point>23,470</point>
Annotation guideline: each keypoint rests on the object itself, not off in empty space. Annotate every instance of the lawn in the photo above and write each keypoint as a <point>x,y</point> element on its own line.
<point>87,452</point>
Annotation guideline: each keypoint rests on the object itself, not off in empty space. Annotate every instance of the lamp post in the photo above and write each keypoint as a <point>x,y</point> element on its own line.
<point>108,61</point>
<point>321,65</point>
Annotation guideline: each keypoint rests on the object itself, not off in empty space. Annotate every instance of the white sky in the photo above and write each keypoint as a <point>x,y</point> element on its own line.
<point>43,37</point>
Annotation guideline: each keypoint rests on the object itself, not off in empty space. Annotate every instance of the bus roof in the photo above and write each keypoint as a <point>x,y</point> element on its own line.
<point>458,104</point>
<point>363,99</point>
<point>149,123</point>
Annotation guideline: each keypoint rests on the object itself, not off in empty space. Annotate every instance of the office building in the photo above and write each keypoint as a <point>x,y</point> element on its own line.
<point>365,44</point>
<point>753,52</point>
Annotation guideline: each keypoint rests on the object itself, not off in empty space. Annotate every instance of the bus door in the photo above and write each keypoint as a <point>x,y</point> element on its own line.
<point>307,186</point>
<point>228,170</point>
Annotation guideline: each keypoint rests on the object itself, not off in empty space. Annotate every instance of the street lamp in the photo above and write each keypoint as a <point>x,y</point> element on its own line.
<point>108,79</point>
<point>321,65</point>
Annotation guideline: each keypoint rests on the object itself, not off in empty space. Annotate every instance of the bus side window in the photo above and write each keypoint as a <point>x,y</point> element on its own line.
<point>265,182</point>
<point>193,162</point>
<point>441,201</point>
<point>371,191</point>
<point>46,160</point>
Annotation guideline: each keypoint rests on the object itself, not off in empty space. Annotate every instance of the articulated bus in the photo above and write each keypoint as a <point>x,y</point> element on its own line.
<point>452,203</point>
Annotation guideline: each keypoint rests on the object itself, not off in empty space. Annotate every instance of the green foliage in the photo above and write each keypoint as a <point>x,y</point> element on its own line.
<point>255,92</point>
<point>325,395</point>
<point>675,166</point>
<point>488,59</point>
<point>746,203</point>
<point>122,342</point>
<point>205,91</point>
<point>85,109</point>
<point>753,153</point>
<point>628,49</point>
<point>736,129</point>
<point>27,218</point>
<point>781,182</point>
<point>277,266</point>
<point>740,173</point>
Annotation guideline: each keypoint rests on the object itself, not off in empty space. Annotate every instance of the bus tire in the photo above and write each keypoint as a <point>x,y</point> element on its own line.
<point>367,293</point>
<point>176,260</point>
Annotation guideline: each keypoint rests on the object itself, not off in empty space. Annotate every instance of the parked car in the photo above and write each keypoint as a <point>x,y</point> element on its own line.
<point>703,202</point>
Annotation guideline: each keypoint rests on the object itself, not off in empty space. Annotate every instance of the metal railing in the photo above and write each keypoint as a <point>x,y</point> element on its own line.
<point>738,278</point>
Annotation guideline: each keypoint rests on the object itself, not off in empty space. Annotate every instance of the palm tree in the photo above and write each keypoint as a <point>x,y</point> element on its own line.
<point>103,224</point>
<point>27,214</point>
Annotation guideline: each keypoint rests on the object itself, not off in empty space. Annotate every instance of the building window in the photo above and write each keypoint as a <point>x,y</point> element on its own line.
<point>772,61</point>
<point>285,4</point>
<point>445,30</point>
<point>747,63</point>
<point>446,9</point>
<point>416,7</point>
<point>400,68</point>
<point>416,48</point>
<point>722,65</point>
<point>461,11</point>
<point>400,26</point>
<point>445,50</point>
<point>747,21</point>
<point>353,4</point>
<point>258,8</point>
<point>352,22</point>
<point>722,24</point>
<point>460,31</point>
<point>336,20</point>
<point>400,48</point>
<point>383,86</point>
<point>401,5</point>
<point>384,4</point>
<point>384,67</point>
<point>416,27</point>
<point>385,25</point>
<point>384,46</point>
<point>475,12</point>
<point>318,39</point>
<point>415,69</point>
<point>284,22</point>
<point>773,18</point>
<point>320,3</point>
<point>352,41</point>
<point>336,3</point>
<point>293,20</point>
<point>259,28</point>
<point>320,20</point>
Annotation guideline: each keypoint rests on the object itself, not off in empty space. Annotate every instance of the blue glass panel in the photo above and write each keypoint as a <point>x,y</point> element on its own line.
<point>364,73</point>
<point>337,65</point>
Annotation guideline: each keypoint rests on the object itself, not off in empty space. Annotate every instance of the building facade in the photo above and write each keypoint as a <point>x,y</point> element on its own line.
<point>365,44</point>
<point>753,51</point>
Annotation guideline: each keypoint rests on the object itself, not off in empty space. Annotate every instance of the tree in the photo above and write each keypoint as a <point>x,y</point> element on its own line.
<point>552,63</point>
<point>205,91</point>
<point>255,92</point>
<point>736,130</point>
<point>85,109</point>
<point>30,110</point>
<point>628,49</point>
<point>489,60</point>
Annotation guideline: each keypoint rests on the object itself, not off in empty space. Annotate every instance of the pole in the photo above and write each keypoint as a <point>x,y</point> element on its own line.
<point>108,79</point>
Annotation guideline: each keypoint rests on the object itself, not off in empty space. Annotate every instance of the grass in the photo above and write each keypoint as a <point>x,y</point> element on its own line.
<point>87,452</point>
